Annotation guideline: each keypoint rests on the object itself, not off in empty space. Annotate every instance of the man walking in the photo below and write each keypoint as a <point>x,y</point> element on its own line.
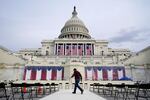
<point>77,75</point>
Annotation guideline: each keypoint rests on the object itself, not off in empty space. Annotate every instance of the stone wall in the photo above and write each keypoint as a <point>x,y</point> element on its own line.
<point>138,73</point>
<point>11,73</point>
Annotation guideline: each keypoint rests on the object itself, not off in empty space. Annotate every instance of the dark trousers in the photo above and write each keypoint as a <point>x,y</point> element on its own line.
<point>77,86</point>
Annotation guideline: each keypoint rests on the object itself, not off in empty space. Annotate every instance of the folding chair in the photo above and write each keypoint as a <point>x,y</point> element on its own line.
<point>47,88</point>
<point>143,91</point>
<point>3,92</point>
<point>108,89</point>
<point>54,87</point>
<point>21,91</point>
<point>120,91</point>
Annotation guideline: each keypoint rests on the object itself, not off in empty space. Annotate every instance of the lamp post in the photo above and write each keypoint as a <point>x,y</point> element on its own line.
<point>132,67</point>
<point>145,68</point>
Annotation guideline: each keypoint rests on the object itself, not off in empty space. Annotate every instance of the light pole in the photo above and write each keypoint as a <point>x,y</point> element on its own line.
<point>145,68</point>
<point>132,67</point>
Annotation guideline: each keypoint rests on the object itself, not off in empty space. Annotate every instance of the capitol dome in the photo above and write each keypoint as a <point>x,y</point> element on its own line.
<point>74,28</point>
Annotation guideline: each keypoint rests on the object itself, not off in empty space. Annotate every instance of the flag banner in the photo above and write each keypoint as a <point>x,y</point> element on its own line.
<point>43,73</point>
<point>80,50</point>
<point>100,73</point>
<point>59,73</point>
<point>62,73</point>
<point>38,73</point>
<point>24,75</point>
<point>104,73</point>
<point>54,73</point>
<point>110,73</point>
<point>74,49</point>
<point>88,49</point>
<point>68,50</point>
<point>115,74</point>
<point>89,71</point>
<point>95,77</point>
<point>28,73</point>
<point>61,50</point>
<point>33,73</point>
<point>49,73</point>
<point>120,73</point>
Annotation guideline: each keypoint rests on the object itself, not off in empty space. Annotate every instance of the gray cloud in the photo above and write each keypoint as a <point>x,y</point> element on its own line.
<point>131,35</point>
<point>24,24</point>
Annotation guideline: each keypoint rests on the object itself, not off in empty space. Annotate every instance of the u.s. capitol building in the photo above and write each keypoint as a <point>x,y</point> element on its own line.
<point>75,48</point>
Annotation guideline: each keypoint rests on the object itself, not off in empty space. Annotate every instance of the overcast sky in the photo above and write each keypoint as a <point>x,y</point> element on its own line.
<point>124,23</point>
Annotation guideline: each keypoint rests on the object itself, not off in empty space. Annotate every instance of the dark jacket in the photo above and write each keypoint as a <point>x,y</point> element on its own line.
<point>77,75</point>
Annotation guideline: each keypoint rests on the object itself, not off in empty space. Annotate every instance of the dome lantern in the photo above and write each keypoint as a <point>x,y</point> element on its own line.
<point>74,28</point>
<point>74,13</point>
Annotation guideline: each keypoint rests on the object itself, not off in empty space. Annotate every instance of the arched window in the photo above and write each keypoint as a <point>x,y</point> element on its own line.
<point>47,53</point>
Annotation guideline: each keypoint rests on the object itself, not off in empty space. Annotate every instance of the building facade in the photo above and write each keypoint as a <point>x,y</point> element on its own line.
<point>75,48</point>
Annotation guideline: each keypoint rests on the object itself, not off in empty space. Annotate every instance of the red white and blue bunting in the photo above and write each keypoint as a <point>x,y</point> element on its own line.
<point>104,73</point>
<point>43,73</point>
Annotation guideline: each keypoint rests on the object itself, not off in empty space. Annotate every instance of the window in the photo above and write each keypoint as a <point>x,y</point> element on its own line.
<point>67,47</point>
<point>59,47</point>
<point>47,53</point>
<point>63,62</point>
<point>87,47</point>
<point>85,62</point>
<point>73,47</point>
<point>79,47</point>
<point>97,63</point>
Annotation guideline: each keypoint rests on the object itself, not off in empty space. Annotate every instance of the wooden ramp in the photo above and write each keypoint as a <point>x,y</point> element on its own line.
<point>67,95</point>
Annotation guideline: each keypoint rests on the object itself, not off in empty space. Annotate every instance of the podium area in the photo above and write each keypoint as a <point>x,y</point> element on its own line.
<point>67,95</point>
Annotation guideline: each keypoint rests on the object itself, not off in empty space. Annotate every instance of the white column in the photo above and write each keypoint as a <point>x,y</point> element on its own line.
<point>57,49</point>
<point>82,49</point>
<point>91,49</point>
<point>71,49</point>
<point>54,49</point>
<point>63,49</point>
<point>85,48</point>
<point>77,50</point>
<point>93,52</point>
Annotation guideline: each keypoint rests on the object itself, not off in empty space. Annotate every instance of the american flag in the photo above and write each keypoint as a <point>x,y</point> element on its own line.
<point>80,50</point>
<point>88,49</point>
<point>74,49</point>
<point>61,50</point>
<point>68,50</point>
